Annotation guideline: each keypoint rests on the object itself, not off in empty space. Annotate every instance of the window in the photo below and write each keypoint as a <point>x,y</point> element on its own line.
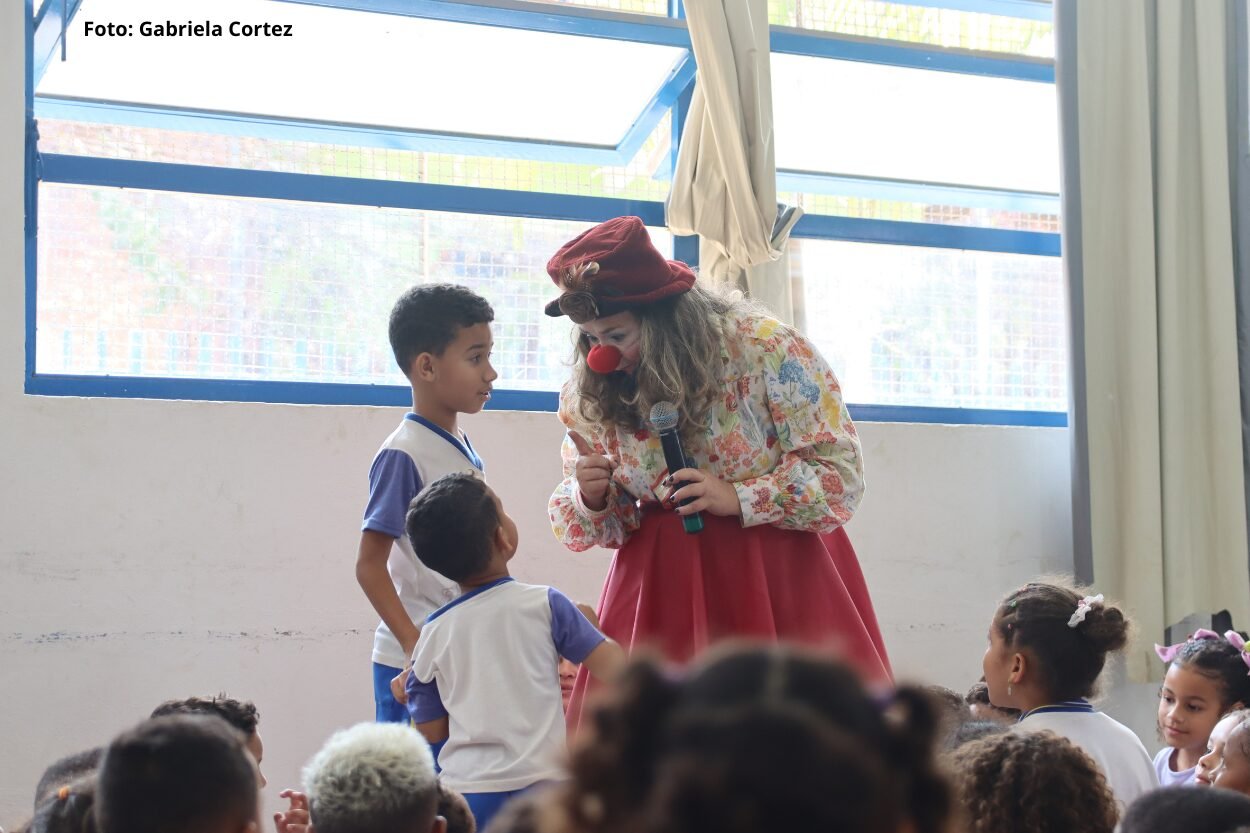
<point>237,224</point>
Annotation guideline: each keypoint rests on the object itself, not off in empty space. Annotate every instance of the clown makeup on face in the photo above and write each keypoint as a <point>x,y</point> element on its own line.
<point>622,331</point>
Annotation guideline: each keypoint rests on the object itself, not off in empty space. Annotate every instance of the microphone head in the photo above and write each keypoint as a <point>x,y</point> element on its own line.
<point>664,416</point>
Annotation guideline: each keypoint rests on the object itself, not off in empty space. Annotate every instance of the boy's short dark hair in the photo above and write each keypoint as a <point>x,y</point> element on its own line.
<point>67,770</point>
<point>451,524</point>
<point>979,695</point>
<point>1194,810</point>
<point>428,317</point>
<point>969,731</point>
<point>241,714</point>
<point>177,774</point>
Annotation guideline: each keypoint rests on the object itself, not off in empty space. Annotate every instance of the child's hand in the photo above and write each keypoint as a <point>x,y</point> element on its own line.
<point>295,819</point>
<point>589,613</point>
<point>594,473</point>
<point>398,690</point>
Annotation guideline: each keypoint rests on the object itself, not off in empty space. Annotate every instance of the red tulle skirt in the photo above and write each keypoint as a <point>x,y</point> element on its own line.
<point>679,593</point>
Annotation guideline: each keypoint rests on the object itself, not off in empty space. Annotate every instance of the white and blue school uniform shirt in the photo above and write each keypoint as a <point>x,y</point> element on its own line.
<point>489,663</point>
<point>416,454</point>
<point>1118,752</point>
<point>1169,777</point>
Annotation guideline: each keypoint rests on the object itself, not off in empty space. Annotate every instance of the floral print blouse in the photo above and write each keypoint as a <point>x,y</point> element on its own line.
<point>780,434</point>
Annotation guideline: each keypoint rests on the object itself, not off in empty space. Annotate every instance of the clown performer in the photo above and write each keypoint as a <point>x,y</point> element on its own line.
<point>775,467</point>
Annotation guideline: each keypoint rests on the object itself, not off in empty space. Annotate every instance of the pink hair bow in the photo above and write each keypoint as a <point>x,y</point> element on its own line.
<point>1169,653</point>
<point>1237,642</point>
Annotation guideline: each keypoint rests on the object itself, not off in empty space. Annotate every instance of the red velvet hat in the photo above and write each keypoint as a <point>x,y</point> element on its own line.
<point>610,268</point>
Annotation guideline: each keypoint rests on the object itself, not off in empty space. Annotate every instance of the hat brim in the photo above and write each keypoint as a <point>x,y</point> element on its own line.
<point>682,280</point>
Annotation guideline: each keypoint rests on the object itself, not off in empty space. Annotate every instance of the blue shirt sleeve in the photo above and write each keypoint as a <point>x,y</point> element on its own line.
<point>572,632</point>
<point>393,483</point>
<point>424,702</point>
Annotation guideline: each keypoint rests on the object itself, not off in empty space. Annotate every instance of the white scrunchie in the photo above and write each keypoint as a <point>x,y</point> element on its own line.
<point>1082,607</point>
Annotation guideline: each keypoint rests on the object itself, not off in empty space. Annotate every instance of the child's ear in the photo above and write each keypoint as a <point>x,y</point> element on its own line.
<point>1235,707</point>
<point>503,541</point>
<point>1019,667</point>
<point>423,367</point>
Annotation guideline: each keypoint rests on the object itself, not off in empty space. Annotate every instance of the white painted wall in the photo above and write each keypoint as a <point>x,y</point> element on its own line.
<point>160,549</point>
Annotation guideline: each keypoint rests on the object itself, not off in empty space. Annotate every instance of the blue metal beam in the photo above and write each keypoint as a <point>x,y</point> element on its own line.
<point>332,393</point>
<point>252,390</point>
<point>930,193</point>
<point>30,202</point>
<point>331,133</point>
<point>534,17</point>
<point>957,416</point>
<point>234,182</point>
<point>933,235</point>
<point>680,78</point>
<point>47,33</point>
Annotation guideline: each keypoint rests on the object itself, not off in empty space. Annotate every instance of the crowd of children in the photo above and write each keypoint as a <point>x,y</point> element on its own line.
<point>747,737</point>
<point>472,674</point>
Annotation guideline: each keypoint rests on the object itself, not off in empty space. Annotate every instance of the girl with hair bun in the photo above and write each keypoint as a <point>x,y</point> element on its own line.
<point>1048,645</point>
<point>759,738</point>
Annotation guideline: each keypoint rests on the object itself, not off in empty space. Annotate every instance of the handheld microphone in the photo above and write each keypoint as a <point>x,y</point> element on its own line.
<point>664,420</point>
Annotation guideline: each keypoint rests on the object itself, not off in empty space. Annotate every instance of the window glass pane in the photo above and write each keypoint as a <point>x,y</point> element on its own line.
<point>487,76</point>
<point>904,325</point>
<point>923,212</point>
<point>918,24</point>
<point>644,178</point>
<point>143,283</point>
<point>858,119</point>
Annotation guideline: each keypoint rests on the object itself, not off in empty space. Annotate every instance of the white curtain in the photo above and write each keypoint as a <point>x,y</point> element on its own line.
<point>725,188</point>
<point>1159,491</point>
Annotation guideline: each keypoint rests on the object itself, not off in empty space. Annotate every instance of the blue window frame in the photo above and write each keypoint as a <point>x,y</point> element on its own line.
<point>55,174</point>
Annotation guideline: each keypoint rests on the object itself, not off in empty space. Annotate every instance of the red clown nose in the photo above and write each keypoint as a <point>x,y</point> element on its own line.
<point>603,359</point>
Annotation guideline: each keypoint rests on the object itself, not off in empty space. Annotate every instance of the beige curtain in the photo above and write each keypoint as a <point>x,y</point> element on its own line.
<point>1149,252</point>
<point>724,187</point>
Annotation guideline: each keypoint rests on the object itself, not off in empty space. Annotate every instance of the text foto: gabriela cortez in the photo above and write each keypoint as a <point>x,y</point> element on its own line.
<point>190,29</point>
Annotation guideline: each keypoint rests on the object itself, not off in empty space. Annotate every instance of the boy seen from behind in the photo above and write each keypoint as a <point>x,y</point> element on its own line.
<point>484,673</point>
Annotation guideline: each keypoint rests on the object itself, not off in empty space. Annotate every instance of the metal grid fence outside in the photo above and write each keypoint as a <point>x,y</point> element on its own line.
<point>906,325</point>
<point>636,180</point>
<point>142,283</point>
<point>918,24</point>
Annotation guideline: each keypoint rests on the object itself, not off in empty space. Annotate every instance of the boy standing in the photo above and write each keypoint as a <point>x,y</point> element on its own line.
<point>484,674</point>
<point>440,334</point>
